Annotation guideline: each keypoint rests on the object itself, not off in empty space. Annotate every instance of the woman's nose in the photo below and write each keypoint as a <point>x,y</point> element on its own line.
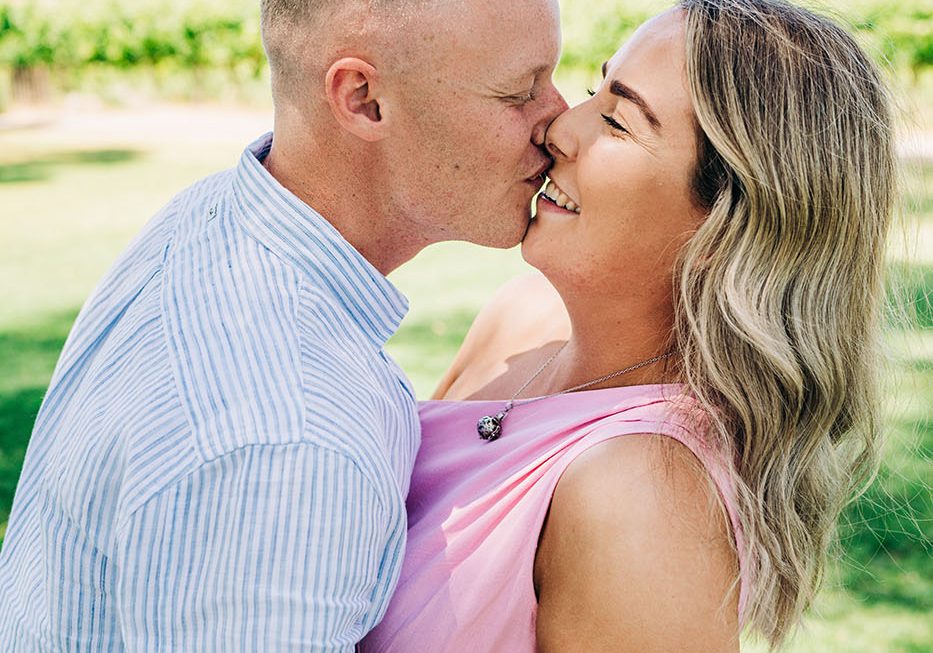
<point>553,104</point>
<point>557,138</point>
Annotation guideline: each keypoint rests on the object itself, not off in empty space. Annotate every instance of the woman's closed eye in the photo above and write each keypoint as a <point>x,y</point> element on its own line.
<point>609,120</point>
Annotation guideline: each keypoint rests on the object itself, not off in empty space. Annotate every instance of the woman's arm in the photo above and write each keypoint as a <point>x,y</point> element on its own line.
<point>524,313</point>
<point>636,555</point>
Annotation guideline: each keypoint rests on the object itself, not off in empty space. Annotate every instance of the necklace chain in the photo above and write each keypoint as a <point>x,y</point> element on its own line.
<point>536,374</point>
<point>490,426</point>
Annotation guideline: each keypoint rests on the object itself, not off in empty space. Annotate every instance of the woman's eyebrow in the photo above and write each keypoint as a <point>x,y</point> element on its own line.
<point>627,92</point>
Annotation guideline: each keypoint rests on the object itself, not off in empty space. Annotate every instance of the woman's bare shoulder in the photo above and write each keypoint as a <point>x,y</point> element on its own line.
<point>523,314</point>
<point>515,310</point>
<point>636,554</point>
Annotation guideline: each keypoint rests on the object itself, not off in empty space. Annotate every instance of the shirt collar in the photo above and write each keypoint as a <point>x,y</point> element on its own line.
<point>295,231</point>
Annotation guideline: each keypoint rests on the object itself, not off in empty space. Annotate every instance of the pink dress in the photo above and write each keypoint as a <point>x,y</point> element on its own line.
<point>476,509</point>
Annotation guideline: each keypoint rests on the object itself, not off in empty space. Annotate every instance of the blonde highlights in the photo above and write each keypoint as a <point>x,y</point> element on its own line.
<point>778,296</point>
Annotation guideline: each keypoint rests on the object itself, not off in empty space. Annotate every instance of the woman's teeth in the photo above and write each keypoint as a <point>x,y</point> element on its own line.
<point>559,197</point>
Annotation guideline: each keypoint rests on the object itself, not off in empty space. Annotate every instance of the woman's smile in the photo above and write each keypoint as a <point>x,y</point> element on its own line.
<point>553,194</point>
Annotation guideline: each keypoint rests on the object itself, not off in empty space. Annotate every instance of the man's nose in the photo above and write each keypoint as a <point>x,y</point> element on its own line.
<point>556,105</point>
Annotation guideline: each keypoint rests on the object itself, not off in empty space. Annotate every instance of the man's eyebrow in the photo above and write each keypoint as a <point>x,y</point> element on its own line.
<point>534,73</point>
<point>621,90</point>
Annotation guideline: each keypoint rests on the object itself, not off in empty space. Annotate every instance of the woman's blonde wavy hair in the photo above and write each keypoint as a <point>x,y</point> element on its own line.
<point>778,296</point>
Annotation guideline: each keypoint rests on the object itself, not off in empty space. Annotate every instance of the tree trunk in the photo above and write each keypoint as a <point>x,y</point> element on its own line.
<point>31,85</point>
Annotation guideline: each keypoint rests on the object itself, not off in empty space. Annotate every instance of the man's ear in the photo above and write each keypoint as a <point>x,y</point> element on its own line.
<point>352,92</point>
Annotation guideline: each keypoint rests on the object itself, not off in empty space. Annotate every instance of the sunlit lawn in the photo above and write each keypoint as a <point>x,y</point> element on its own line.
<point>70,200</point>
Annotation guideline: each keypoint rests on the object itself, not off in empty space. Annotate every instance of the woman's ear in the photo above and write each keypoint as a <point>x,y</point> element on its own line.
<point>352,87</point>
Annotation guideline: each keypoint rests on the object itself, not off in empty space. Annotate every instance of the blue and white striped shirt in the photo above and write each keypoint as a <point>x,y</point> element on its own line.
<point>223,455</point>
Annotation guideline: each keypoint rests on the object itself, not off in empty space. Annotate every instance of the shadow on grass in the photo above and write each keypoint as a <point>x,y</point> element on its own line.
<point>42,168</point>
<point>17,413</point>
<point>28,356</point>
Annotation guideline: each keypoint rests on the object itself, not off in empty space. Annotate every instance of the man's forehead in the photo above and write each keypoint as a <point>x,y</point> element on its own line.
<point>532,41</point>
<point>487,43</point>
<point>521,75</point>
<point>514,24</point>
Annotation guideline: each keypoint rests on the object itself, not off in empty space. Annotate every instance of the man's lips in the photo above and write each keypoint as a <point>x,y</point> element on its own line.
<point>539,177</point>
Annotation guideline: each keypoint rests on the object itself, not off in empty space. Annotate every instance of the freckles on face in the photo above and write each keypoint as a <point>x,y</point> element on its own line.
<point>636,208</point>
<point>487,151</point>
<point>465,151</point>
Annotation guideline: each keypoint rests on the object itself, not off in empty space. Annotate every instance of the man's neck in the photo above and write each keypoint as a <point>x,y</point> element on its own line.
<point>350,204</point>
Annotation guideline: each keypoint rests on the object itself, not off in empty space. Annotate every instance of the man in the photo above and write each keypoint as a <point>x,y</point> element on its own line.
<point>223,455</point>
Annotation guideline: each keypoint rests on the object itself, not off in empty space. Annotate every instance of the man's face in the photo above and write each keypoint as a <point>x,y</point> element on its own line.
<point>466,157</point>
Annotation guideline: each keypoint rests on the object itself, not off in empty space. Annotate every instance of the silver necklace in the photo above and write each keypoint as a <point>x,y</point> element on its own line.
<point>490,426</point>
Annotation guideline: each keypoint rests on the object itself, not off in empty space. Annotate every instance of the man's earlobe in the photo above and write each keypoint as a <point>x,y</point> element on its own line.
<point>352,92</point>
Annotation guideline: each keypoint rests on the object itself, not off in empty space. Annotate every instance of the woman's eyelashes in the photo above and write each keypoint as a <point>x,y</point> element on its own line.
<point>609,120</point>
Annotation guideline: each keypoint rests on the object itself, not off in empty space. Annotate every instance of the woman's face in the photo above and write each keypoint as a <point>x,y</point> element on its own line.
<point>625,159</point>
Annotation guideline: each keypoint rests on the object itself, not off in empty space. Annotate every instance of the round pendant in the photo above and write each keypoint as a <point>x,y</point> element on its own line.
<point>490,426</point>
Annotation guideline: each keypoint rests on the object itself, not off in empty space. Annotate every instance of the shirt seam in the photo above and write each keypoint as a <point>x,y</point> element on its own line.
<point>167,257</point>
<point>303,278</point>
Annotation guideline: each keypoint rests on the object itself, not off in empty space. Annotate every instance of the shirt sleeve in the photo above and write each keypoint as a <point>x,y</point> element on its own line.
<point>268,548</point>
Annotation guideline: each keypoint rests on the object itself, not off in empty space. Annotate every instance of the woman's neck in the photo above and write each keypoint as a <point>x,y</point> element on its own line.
<point>603,341</point>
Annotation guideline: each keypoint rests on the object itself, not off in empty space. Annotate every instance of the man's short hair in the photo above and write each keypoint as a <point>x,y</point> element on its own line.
<point>292,28</point>
<point>286,25</point>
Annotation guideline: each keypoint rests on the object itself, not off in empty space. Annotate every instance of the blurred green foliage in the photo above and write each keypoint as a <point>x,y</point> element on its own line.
<point>71,35</point>
<point>68,36</point>
<point>897,32</point>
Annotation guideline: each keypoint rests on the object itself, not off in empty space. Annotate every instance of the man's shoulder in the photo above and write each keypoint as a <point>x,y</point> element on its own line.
<point>263,351</point>
<point>232,334</point>
<point>204,192</point>
<point>152,245</point>
<point>261,363</point>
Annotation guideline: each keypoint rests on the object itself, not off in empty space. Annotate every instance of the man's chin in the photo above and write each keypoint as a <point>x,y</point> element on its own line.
<point>502,242</point>
<point>519,234</point>
<point>507,235</point>
<point>528,227</point>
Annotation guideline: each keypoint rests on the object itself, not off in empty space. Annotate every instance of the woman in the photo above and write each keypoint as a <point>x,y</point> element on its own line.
<point>673,414</point>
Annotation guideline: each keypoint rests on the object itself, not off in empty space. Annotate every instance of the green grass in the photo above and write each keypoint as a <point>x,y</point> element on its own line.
<point>70,204</point>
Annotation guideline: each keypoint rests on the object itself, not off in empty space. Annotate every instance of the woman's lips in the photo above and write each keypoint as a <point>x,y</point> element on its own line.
<point>551,205</point>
